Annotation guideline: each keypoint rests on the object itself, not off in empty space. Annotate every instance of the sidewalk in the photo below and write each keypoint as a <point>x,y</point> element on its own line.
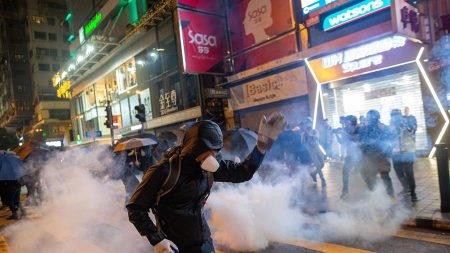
<point>426,210</point>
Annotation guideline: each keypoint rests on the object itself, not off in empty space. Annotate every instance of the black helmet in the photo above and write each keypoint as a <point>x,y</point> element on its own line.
<point>202,136</point>
<point>373,116</point>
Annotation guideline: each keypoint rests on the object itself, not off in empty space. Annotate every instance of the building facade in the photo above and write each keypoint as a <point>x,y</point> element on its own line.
<point>16,107</point>
<point>48,47</point>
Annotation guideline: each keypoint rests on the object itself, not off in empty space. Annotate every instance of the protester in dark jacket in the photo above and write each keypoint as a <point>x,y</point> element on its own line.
<point>349,139</point>
<point>376,146</point>
<point>179,213</point>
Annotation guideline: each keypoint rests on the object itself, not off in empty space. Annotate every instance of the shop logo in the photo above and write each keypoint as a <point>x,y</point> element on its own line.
<point>202,39</point>
<point>364,56</point>
<point>354,13</point>
<point>254,14</point>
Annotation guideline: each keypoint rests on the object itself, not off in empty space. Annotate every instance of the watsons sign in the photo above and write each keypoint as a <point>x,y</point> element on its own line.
<point>354,12</point>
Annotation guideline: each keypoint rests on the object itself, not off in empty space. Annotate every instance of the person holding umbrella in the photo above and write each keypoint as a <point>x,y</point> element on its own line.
<point>191,168</point>
<point>11,171</point>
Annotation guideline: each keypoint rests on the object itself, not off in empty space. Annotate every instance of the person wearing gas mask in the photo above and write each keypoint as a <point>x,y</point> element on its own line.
<point>177,187</point>
<point>136,162</point>
<point>376,146</point>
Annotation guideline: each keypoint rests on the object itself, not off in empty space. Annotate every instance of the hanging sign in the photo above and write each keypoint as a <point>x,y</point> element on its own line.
<point>353,13</point>
<point>281,86</point>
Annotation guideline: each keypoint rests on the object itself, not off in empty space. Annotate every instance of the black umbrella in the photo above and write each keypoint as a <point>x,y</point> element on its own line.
<point>244,140</point>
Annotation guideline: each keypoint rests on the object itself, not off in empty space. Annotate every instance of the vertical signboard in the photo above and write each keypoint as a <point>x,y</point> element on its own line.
<point>254,21</point>
<point>203,42</point>
<point>406,19</point>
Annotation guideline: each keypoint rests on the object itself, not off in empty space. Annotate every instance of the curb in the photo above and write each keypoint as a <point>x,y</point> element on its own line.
<point>4,248</point>
<point>427,223</point>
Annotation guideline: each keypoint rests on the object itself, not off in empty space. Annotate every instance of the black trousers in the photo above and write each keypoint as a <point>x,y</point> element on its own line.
<point>12,193</point>
<point>405,173</point>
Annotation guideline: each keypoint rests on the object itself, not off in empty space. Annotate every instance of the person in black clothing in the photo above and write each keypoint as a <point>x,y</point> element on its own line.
<point>376,146</point>
<point>181,224</point>
<point>411,122</point>
<point>349,139</point>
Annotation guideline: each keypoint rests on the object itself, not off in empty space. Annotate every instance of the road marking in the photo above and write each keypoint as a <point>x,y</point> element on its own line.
<point>325,247</point>
<point>421,236</point>
<point>4,248</point>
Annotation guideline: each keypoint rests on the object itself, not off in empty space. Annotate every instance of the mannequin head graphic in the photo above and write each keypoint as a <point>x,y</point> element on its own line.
<point>258,17</point>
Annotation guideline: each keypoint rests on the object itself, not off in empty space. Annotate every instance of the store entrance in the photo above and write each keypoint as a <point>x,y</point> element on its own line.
<point>382,91</point>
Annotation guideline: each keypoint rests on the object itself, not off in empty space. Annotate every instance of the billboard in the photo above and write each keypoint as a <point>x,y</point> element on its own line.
<point>211,6</point>
<point>279,48</point>
<point>203,42</point>
<point>254,21</point>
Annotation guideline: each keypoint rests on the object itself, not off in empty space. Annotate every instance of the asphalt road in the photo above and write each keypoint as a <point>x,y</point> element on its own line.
<point>404,241</point>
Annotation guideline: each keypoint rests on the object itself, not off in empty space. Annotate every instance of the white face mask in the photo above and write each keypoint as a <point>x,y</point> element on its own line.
<point>210,164</point>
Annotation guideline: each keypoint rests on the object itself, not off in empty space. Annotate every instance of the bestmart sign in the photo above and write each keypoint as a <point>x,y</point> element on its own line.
<point>354,12</point>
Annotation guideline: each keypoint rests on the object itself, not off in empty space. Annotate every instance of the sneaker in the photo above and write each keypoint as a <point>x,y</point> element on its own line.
<point>404,192</point>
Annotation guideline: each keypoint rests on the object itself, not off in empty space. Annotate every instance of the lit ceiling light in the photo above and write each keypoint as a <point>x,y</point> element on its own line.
<point>89,50</point>
<point>80,58</point>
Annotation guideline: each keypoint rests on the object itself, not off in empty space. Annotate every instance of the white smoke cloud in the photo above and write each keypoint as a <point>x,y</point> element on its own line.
<point>85,213</point>
<point>81,212</point>
<point>248,217</point>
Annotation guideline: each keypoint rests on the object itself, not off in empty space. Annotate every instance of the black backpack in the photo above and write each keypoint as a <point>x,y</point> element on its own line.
<point>173,155</point>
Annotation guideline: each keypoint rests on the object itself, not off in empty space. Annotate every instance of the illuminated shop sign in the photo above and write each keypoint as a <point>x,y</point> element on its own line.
<point>95,21</point>
<point>380,54</point>
<point>355,12</point>
<point>312,5</point>
<point>364,56</point>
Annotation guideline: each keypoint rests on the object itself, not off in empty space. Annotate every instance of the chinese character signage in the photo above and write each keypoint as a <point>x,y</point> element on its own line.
<point>254,21</point>
<point>281,86</point>
<point>369,57</point>
<point>406,20</point>
<point>203,42</point>
<point>168,102</point>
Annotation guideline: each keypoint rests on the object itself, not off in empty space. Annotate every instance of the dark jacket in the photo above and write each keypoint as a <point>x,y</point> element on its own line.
<point>180,211</point>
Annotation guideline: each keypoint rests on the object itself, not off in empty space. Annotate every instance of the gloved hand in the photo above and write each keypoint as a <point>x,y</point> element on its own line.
<point>165,246</point>
<point>269,129</point>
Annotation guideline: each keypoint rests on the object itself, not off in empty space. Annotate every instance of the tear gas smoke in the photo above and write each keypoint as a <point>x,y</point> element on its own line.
<point>81,212</point>
<point>248,217</point>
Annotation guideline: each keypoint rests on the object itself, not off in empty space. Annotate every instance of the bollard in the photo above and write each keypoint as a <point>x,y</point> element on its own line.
<point>443,175</point>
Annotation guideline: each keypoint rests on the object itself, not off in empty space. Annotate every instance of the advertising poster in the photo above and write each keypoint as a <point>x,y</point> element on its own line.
<point>203,42</point>
<point>211,6</point>
<point>276,49</point>
<point>254,21</point>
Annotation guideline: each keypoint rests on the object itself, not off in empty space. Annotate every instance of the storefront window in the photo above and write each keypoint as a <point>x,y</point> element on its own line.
<point>170,54</point>
<point>126,76</point>
<point>134,101</point>
<point>145,100</point>
<point>125,109</point>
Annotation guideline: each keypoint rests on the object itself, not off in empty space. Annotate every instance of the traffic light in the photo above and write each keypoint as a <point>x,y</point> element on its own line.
<point>109,118</point>
<point>140,113</point>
